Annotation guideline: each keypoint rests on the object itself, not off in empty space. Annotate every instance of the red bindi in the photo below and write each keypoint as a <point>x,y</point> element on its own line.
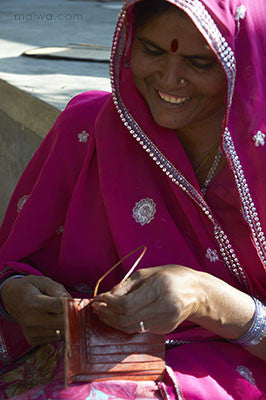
<point>174,45</point>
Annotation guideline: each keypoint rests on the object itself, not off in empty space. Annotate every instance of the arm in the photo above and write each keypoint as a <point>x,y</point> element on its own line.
<point>226,311</point>
<point>164,297</point>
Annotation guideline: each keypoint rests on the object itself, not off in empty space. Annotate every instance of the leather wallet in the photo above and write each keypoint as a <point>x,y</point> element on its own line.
<point>97,352</point>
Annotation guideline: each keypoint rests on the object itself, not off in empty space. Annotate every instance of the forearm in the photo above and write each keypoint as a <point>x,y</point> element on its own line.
<point>226,311</point>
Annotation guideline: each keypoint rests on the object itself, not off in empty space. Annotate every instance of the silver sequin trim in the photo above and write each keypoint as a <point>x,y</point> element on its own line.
<point>21,202</point>
<point>246,373</point>
<point>175,382</point>
<point>144,211</point>
<point>4,354</point>
<point>83,137</point>
<point>212,255</point>
<point>248,206</point>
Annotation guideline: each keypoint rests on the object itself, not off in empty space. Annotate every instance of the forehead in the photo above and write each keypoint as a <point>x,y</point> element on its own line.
<point>164,28</point>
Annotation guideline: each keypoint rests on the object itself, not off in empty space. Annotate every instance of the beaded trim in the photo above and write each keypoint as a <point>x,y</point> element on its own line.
<point>175,382</point>
<point>248,207</point>
<point>4,354</point>
<point>201,17</point>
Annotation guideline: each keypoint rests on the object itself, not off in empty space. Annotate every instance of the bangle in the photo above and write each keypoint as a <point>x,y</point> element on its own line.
<point>257,331</point>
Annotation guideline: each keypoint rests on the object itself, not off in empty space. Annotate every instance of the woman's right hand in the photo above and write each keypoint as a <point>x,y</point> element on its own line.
<point>35,304</point>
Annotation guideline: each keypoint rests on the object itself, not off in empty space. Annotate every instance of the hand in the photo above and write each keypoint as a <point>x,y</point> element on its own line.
<point>35,304</point>
<point>161,297</point>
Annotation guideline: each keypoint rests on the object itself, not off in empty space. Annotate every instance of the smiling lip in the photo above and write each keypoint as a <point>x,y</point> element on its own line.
<point>169,98</point>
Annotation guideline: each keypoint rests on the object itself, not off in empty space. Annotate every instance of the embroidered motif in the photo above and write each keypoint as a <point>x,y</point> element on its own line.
<point>240,12</point>
<point>259,139</point>
<point>21,202</point>
<point>246,373</point>
<point>83,137</point>
<point>60,230</point>
<point>212,255</point>
<point>84,288</point>
<point>144,211</point>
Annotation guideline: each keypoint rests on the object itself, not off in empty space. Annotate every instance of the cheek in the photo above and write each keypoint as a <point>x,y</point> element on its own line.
<point>214,87</point>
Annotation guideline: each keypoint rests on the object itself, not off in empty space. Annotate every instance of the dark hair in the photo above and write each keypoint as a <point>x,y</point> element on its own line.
<point>147,9</point>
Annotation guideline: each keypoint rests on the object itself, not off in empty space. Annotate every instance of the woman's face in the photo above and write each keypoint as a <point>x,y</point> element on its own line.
<point>176,72</point>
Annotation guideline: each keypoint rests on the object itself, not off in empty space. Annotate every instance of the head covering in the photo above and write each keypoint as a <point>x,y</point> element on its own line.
<point>235,31</point>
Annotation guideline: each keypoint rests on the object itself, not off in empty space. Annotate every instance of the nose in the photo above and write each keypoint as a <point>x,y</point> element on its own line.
<point>173,75</point>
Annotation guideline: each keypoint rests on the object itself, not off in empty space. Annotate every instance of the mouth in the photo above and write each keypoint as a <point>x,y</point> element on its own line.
<point>169,98</point>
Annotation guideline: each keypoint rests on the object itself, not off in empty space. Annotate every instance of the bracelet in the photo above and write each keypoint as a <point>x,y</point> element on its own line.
<point>257,331</point>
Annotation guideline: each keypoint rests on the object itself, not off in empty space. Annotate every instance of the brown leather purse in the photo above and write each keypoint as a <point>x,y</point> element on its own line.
<point>97,352</point>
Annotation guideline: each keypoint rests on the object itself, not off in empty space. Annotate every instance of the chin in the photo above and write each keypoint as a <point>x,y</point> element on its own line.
<point>167,124</point>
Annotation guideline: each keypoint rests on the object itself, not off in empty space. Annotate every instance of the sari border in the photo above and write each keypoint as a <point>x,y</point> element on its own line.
<point>4,353</point>
<point>249,210</point>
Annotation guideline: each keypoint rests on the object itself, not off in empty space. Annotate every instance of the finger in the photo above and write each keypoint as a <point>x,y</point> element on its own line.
<point>46,304</point>
<point>36,336</point>
<point>154,325</point>
<point>150,326</point>
<point>49,287</point>
<point>132,302</point>
<point>130,284</point>
<point>42,320</point>
<point>164,319</point>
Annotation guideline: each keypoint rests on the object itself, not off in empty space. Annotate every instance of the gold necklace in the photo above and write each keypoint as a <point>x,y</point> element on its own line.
<point>212,151</point>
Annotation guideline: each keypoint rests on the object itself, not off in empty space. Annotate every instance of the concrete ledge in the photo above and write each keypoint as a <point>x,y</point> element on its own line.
<point>27,110</point>
<point>17,144</point>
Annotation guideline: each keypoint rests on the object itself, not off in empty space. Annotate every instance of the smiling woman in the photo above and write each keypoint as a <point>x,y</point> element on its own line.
<point>172,160</point>
<point>185,89</point>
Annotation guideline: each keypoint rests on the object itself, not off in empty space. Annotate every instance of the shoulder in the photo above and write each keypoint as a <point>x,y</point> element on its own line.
<point>87,104</point>
<point>79,115</point>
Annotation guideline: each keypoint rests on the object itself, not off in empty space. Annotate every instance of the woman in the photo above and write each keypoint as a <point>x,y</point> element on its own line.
<point>172,160</point>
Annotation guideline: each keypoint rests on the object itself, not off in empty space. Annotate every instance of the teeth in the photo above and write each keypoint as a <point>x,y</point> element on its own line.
<point>172,99</point>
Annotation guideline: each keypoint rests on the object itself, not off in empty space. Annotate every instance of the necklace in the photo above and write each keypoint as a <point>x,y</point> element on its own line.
<point>206,159</point>
<point>212,171</point>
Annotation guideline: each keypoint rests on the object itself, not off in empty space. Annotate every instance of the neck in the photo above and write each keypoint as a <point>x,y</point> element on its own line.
<point>198,139</point>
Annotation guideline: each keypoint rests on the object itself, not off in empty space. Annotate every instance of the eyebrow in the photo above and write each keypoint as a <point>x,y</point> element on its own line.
<point>197,56</point>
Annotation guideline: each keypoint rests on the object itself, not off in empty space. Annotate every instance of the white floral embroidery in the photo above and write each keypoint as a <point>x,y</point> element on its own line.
<point>21,202</point>
<point>84,288</point>
<point>144,211</point>
<point>240,12</point>
<point>60,230</point>
<point>246,373</point>
<point>83,136</point>
<point>212,255</point>
<point>259,139</point>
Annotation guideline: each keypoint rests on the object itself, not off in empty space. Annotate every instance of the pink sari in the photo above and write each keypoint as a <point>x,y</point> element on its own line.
<point>107,179</point>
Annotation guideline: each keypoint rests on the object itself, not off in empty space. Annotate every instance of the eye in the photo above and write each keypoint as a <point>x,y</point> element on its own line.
<point>152,52</point>
<point>200,65</point>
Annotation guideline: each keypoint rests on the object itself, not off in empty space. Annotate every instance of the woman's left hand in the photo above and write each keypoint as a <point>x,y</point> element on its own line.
<point>161,297</point>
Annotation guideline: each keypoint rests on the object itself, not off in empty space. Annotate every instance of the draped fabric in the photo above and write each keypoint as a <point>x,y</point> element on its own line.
<point>107,179</point>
